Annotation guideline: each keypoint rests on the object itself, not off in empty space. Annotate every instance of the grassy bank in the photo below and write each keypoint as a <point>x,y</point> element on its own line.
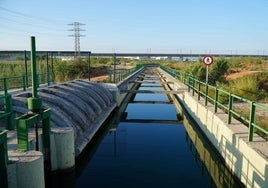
<point>243,76</point>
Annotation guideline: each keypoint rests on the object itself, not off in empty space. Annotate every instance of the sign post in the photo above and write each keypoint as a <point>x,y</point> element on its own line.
<point>207,60</point>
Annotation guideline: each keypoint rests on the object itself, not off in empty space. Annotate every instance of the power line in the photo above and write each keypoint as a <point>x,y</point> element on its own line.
<point>33,17</point>
<point>26,23</point>
<point>76,29</point>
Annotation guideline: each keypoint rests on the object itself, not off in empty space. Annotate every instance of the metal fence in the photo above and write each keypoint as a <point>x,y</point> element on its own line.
<point>246,111</point>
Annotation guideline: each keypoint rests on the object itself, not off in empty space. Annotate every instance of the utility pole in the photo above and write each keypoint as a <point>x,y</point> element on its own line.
<point>76,29</point>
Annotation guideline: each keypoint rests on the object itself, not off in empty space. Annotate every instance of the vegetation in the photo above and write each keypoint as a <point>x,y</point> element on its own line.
<point>244,76</point>
<point>253,86</point>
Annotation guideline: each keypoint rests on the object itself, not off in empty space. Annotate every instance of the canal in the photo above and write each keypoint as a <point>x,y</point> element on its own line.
<point>148,147</point>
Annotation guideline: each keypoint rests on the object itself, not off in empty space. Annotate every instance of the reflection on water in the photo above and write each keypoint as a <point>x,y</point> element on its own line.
<point>207,158</point>
<point>147,154</point>
<point>144,111</point>
<point>144,155</point>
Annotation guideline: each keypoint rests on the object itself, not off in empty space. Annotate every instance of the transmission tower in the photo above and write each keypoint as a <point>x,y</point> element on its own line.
<point>76,29</point>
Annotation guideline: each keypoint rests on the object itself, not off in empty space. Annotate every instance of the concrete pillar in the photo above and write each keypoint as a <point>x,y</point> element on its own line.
<point>62,149</point>
<point>115,92</point>
<point>26,169</point>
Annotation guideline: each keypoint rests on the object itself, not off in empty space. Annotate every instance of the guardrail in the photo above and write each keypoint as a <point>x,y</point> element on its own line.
<point>244,110</point>
<point>22,82</point>
<point>13,82</point>
<point>6,111</point>
<point>121,74</point>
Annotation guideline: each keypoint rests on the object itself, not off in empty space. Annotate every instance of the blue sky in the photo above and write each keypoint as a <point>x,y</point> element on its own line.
<point>168,26</point>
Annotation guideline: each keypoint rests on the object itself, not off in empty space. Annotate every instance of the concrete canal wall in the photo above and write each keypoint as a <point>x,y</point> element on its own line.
<point>248,160</point>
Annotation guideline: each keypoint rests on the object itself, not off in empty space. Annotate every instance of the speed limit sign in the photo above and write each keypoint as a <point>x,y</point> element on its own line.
<point>207,60</point>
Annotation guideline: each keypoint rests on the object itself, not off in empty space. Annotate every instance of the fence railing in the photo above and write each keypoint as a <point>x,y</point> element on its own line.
<point>246,111</point>
<point>6,110</point>
<point>21,82</point>
<point>120,74</point>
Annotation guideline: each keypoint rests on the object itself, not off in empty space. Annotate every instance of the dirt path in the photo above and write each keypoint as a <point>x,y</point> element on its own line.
<point>240,74</point>
<point>103,78</point>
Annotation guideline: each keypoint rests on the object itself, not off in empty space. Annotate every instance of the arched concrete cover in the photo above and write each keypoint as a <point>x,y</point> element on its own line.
<point>80,104</point>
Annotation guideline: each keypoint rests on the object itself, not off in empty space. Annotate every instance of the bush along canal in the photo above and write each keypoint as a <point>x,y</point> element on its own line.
<point>148,147</point>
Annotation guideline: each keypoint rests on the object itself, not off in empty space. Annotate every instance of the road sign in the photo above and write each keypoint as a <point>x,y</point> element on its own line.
<point>207,60</point>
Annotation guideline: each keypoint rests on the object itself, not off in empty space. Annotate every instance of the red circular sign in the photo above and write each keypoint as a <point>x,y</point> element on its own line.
<point>207,60</point>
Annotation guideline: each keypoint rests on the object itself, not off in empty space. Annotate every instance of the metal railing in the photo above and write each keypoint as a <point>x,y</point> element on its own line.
<point>121,74</point>
<point>21,82</point>
<point>228,102</point>
<point>6,111</point>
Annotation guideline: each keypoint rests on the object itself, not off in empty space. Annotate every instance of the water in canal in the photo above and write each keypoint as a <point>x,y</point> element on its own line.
<point>148,148</point>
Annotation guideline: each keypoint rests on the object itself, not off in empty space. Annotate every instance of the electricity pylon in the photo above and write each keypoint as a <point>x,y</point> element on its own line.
<point>76,29</point>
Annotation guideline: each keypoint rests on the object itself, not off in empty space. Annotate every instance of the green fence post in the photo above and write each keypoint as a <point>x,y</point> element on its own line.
<point>5,85</point>
<point>9,119</point>
<point>251,121</point>
<point>46,135</point>
<point>193,86</point>
<point>24,82</point>
<point>52,67</point>
<point>216,99</point>
<point>26,69</point>
<point>189,85</point>
<point>199,88</point>
<point>48,74</point>
<point>230,108</point>
<point>88,67</point>
<point>206,98</point>
<point>3,158</point>
<point>114,67</point>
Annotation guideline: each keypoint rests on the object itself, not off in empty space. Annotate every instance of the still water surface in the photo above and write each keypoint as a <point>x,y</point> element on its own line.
<point>145,154</point>
<point>132,154</point>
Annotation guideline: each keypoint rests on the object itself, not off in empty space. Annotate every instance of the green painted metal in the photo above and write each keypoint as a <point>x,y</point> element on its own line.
<point>216,100</point>
<point>33,68</point>
<point>24,82</point>
<point>3,159</point>
<point>228,107</point>
<point>29,120</point>
<point>114,67</point>
<point>12,83</point>
<point>26,69</point>
<point>52,67</point>
<point>193,85</point>
<point>46,129</point>
<point>23,124</point>
<point>9,119</point>
<point>7,114</point>
<point>37,113</point>
<point>5,85</point>
<point>34,103</point>
<point>199,88</point>
<point>48,73</point>
<point>88,67</point>
<point>251,121</point>
<point>206,95</point>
